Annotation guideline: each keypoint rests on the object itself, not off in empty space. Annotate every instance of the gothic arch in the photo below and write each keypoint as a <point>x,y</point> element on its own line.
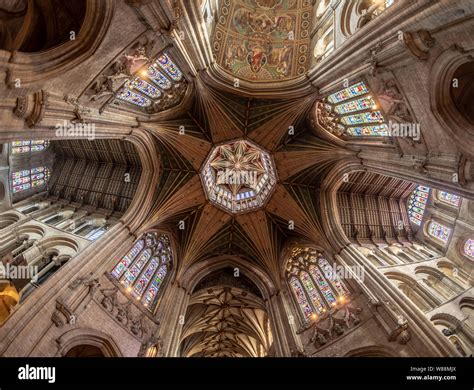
<point>372,351</point>
<point>198,271</point>
<point>455,331</point>
<point>88,336</point>
<point>438,281</point>
<point>449,269</point>
<point>442,104</point>
<point>460,244</point>
<point>415,292</point>
<point>8,219</point>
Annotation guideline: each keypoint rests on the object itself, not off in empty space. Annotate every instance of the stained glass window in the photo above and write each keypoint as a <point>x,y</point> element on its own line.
<point>417,204</point>
<point>354,111</point>
<point>158,78</point>
<point>348,93</point>
<point>142,271</point>
<point>169,67</point>
<point>379,130</point>
<point>148,85</point>
<point>469,248</point>
<point>315,286</point>
<point>19,147</point>
<point>146,88</point>
<point>131,97</point>
<point>439,231</point>
<point>366,117</point>
<point>364,103</point>
<point>332,276</point>
<point>322,284</point>
<point>448,198</point>
<point>301,297</point>
<point>96,233</point>
<point>29,178</point>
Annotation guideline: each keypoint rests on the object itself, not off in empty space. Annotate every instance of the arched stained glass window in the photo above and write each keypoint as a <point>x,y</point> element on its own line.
<point>348,93</point>
<point>150,83</point>
<point>158,78</point>
<point>448,198</point>
<point>169,67</point>
<point>142,271</point>
<point>315,286</point>
<point>366,117</point>
<point>417,204</point>
<point>439,231</point>
<point>29,178</point>
<point>364,103</point>
<point>355,112</point>
<point>131,97</point>
<point>469,248</point>
<point>38,145</point>
<point>146,88</point>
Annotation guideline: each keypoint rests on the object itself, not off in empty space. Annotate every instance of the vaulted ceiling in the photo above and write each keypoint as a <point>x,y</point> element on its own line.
<point>226,321</point>
<point>277,126</point>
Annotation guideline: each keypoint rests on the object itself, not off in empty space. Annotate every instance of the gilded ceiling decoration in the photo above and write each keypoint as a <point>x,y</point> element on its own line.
<point>262,40</point>
<point>238,176</point>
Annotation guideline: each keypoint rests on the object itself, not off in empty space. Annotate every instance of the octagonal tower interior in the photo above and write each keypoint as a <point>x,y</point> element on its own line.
<point>238,176</point>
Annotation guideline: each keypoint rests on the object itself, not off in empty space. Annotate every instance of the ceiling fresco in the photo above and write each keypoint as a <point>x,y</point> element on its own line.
<point>263,40</point>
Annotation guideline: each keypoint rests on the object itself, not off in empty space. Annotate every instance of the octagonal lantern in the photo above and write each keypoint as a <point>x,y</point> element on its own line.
<point>238,176</point>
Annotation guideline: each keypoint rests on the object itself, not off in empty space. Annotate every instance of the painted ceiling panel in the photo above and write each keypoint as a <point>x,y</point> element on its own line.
<point>263,40</point>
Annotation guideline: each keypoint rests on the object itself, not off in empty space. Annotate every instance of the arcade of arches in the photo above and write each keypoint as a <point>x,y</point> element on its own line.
<point>236,178</point>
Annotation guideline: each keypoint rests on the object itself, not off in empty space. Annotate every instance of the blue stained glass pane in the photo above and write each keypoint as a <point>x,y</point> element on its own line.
<point>155,286</point>
<point>322,284</point>
<point>37,176</point>
<point>365,117</point>
<point>312,291</point>
<point>439,231</point>
<point>417,204</point>
<point>348,93</point>
<point>380,131</point>
<point>144,278</point>
<point>449,198</point>
<point>96,234</point>
<point>20,149</point>
<point>37,170</point>
<point>146,88</point>
<point>21,187</point>
<point>169,67</point>
<point>127,259</point>
<point>364,103</point>
<point>301,297</point>
<point>132,273</point>
<point>21,180</point>
<point>134,98</point>
<point>469,248</point>
<point>21,143</point>
<point>18,174</point>
<point>158,78</point>
<point>333,277</point>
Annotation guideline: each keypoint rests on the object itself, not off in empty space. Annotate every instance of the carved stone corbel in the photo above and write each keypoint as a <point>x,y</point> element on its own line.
<point>419,43</point>
<point>32,108</point>
<point>63,314</point>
